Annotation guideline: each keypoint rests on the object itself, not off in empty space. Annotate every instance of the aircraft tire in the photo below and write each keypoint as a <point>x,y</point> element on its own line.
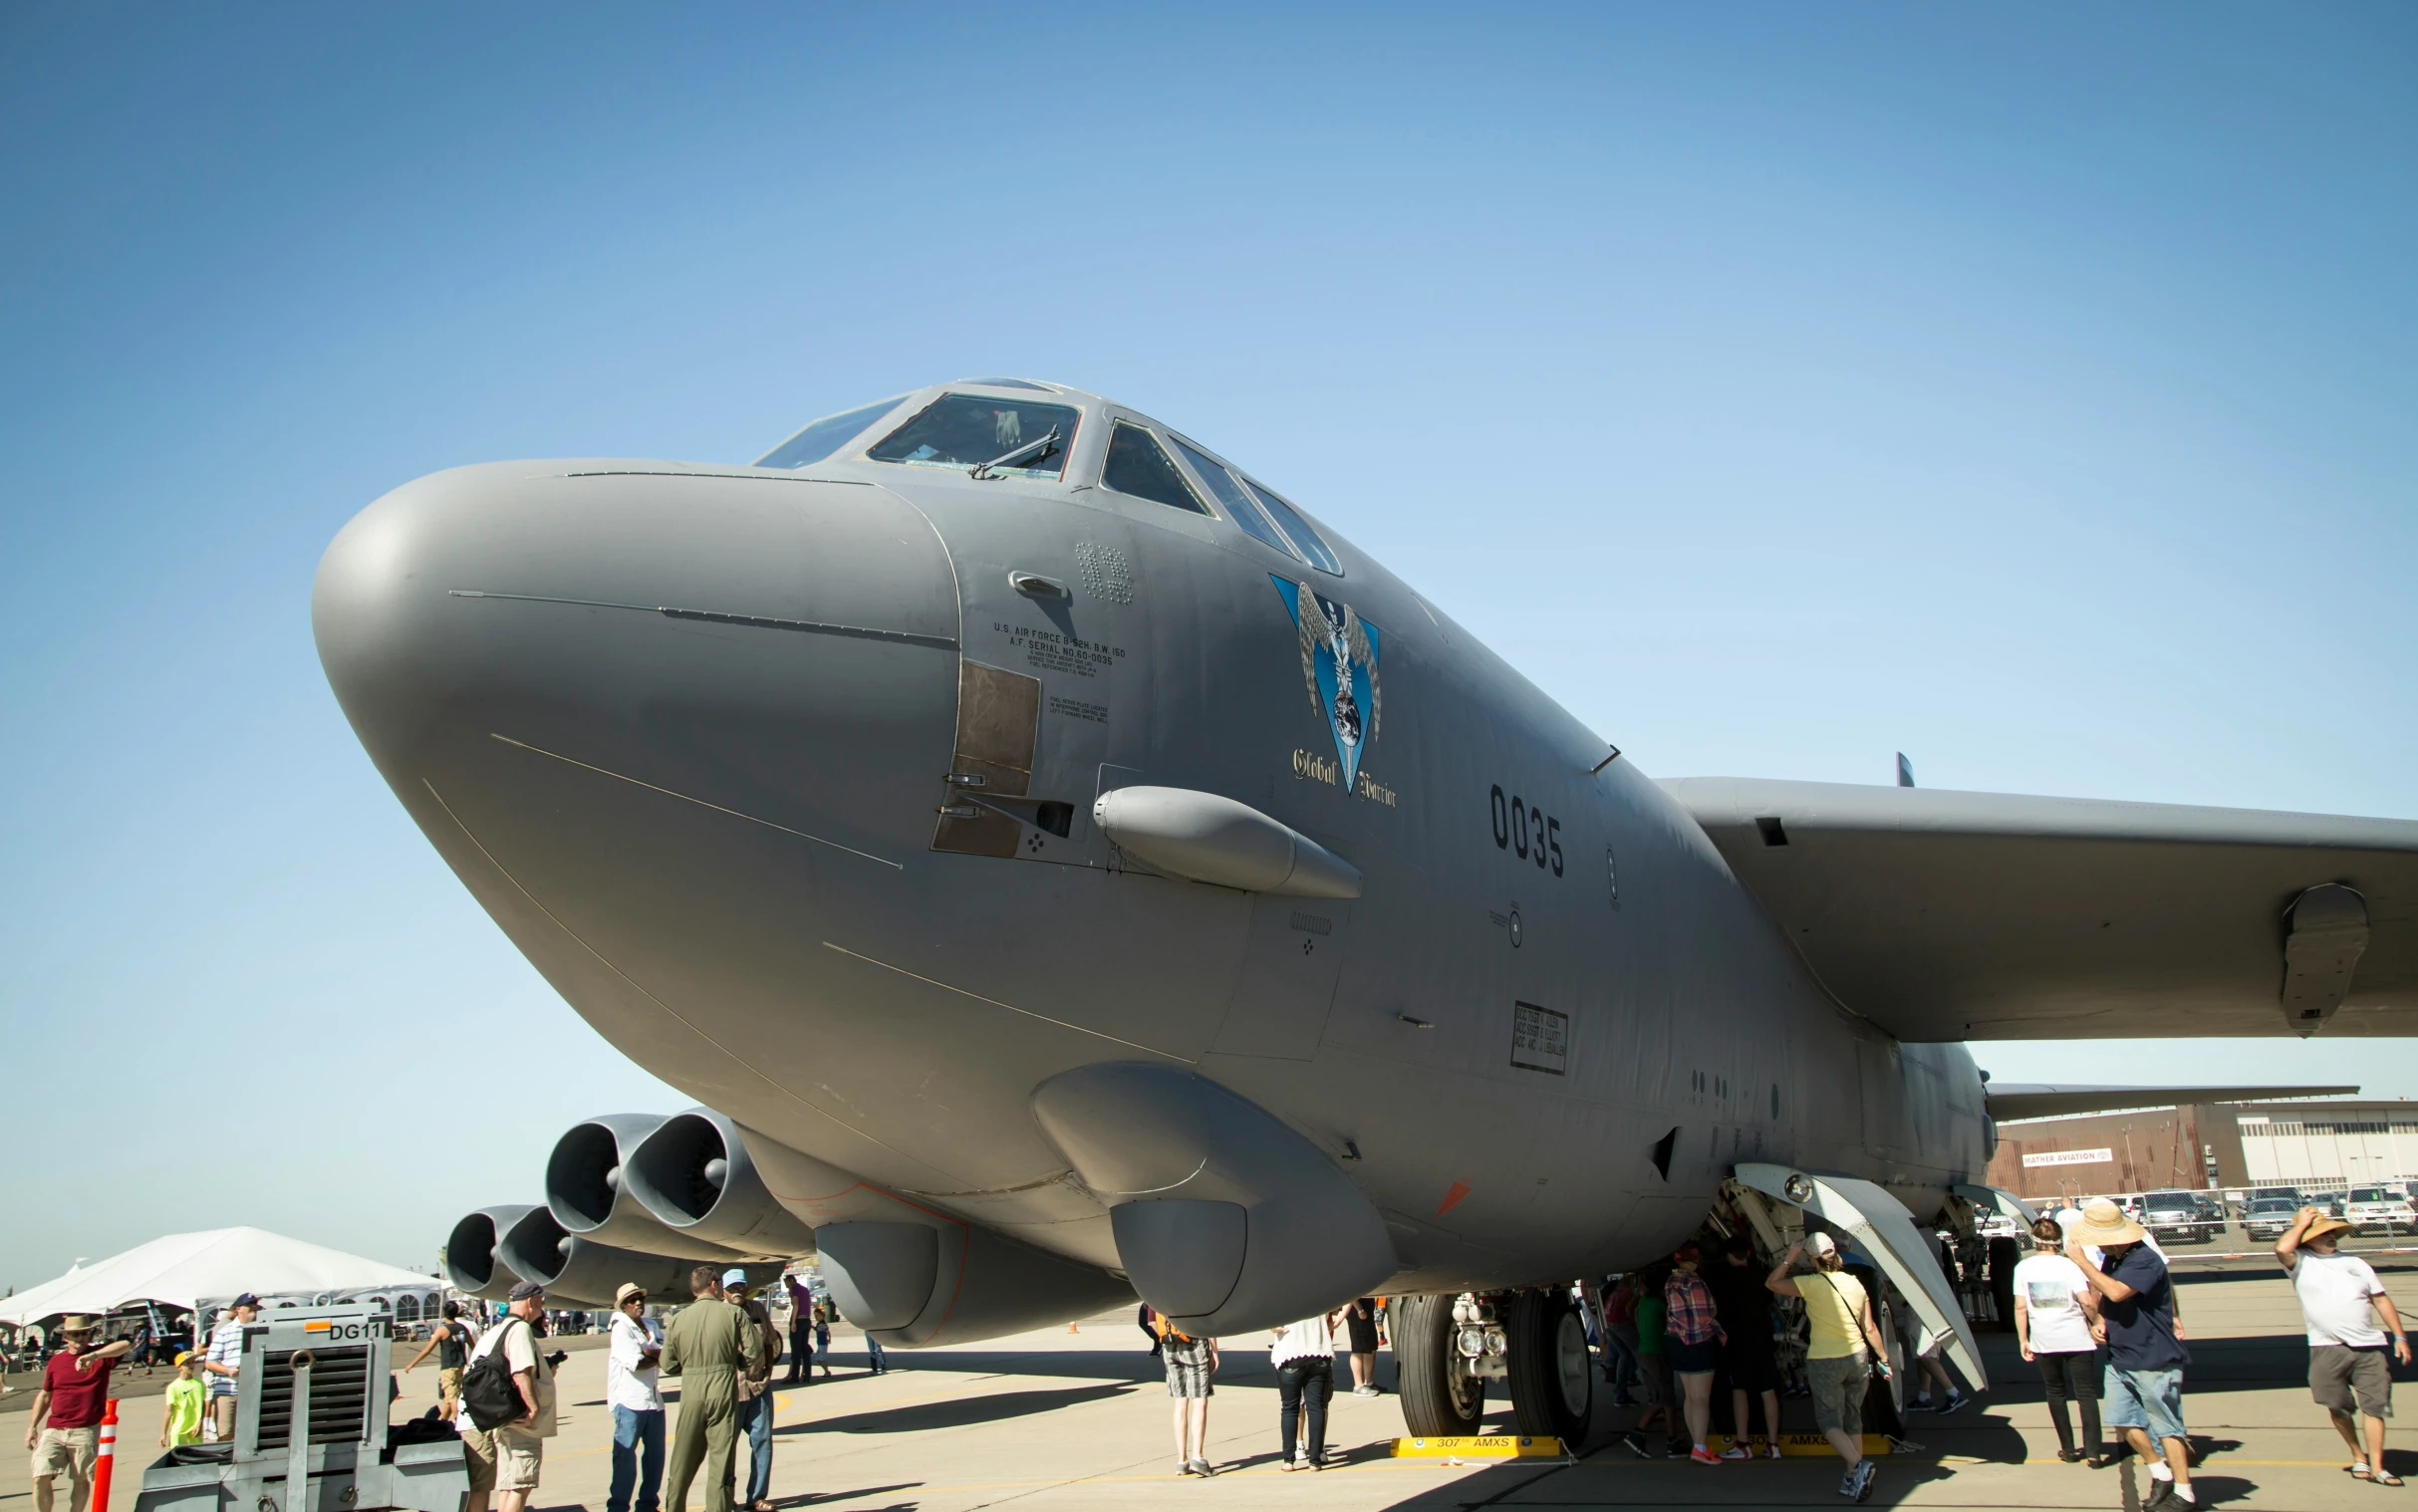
<point>1434,1404</point>
<point>1552,1374</point>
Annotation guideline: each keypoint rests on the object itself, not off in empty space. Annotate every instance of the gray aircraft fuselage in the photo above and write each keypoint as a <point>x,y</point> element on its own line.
<point>683,730</point>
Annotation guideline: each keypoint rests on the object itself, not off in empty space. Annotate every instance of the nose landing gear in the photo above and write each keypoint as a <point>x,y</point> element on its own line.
<point>1448,1347</point>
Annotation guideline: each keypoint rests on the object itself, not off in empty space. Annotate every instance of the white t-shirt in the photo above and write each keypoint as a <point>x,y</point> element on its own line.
<point>2052,1288</point>
<point>626,1382</point>
<point>2336,1294</point>
<point>1310,1338</point>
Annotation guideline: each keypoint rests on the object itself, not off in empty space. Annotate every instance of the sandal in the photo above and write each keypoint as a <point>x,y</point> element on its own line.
<point>2384,1478</point>
<point>2357,1469</point>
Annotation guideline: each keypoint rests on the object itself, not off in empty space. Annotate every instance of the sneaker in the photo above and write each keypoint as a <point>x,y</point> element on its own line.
<point>1735,1451</point>
<point>1201,1467</point>
<point>1772,1448</point>
<point>1291,1465</point>
<point>1704,1456</point>
<point>1956,1400</point>
<point>1366,1391</point>
<point>1185,1467</point>
<point>1919,1404</point>
<point>1676,1448</point>
<point>1865,1473</point>
<point>1635,1446</point>
<point>2160,1493</point>
<point>1847,1483</point>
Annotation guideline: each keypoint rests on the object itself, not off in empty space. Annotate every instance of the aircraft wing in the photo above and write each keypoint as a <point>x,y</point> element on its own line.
<point>1945,916</point>
<point>2041,1100</point>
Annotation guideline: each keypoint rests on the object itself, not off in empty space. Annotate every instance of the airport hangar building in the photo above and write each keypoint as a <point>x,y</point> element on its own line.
<point>2316,1146</point>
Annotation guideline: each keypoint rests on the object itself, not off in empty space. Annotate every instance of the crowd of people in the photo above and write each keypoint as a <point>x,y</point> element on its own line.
<point>2095,1313</point>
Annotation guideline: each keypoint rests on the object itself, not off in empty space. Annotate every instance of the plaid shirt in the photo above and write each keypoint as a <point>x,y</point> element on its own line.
<point>1690,1306</point>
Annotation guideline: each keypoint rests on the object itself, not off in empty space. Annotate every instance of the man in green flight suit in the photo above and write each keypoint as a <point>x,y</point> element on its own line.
<point>707,1345</point>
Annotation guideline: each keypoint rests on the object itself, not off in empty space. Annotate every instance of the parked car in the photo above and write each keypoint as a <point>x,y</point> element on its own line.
<point>2380,1210</point>
<point>2269,1217</point>
<point>2289,1195</point>
<point>2175,1218</point>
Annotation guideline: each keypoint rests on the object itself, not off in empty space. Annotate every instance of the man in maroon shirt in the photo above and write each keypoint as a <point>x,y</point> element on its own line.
<point>64,1428</point>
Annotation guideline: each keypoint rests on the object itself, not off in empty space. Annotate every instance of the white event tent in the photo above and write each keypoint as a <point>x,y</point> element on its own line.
<point>211,1268</point>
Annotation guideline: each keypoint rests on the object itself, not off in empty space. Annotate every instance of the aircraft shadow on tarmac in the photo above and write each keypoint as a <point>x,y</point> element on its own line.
<point>958,1412</point>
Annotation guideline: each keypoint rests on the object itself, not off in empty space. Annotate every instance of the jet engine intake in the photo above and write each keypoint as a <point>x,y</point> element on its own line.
<point>574,1268</point>
<point>473,1262</point>
<point>694,1174</point>
<point>588,1190</point>
<point>1226,1219</point>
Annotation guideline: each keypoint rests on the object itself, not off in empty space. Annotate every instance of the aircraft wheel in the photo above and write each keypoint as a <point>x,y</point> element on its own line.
<point>1438,1402</point>
<point>1551,1376</point>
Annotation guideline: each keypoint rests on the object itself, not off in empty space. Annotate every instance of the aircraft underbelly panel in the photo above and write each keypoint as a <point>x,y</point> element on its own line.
<point>1295,952</point>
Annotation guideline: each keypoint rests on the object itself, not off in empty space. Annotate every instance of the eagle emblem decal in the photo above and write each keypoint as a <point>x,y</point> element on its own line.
<point>1339,668</point>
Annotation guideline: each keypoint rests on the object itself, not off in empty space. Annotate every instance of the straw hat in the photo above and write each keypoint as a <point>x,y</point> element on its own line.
<point>78,1323</point>
<point>2104,1225</point>
<point>2328,1224</point>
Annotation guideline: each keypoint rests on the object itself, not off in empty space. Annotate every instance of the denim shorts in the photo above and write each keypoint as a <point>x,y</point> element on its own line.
<point>2148,1399</point>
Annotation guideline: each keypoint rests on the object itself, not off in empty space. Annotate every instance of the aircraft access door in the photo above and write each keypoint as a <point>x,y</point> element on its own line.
<point>1047,691</point>
<point>1289,971</point>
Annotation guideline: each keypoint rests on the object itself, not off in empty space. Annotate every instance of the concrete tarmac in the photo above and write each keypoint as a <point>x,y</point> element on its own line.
<point>1054,1418</point>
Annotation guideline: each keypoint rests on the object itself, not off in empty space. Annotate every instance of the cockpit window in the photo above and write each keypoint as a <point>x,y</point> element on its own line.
<point>1139,465</point>
<point>1231,494</point>
<point>1297,530</point>
<point>825,437</point>
<point>964,432</point>
<point>1006,383</point>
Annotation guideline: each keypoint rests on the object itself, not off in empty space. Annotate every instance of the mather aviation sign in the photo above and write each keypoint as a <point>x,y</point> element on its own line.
<point>2069,1157</point>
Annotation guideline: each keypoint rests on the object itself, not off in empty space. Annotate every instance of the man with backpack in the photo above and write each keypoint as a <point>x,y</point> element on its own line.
<point>707,1345</point>
<point>507,1391</point>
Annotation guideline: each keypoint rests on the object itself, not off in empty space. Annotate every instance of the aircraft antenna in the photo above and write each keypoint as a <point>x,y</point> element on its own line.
<point>1905,771</point>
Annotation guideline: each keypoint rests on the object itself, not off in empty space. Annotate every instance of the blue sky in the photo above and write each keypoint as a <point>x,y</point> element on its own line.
<point>1780,386</point>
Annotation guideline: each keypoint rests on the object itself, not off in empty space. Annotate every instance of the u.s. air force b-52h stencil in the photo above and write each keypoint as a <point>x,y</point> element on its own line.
<point>937,803</point>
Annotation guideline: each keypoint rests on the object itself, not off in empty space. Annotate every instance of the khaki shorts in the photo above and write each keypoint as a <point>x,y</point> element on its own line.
<point>449,1384</point>
<point>517,1453</point>
<point>2338,1375</point>
<point>66,1451</point>
<point>1838,1393</point>
<point>478,1455</point>
<point>223,1413</point>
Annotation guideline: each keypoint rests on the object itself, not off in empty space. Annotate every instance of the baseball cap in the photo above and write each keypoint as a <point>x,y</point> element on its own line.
<point>1821,1244</point>
<point>524,1290</point>
<point>734,1277</point>
<point>248,1299</point>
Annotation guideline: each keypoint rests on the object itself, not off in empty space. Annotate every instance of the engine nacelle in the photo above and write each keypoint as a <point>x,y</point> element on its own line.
<point>588,1190</point>
<point>473,1261</point>
<point>1226,1219</point>
<point>923,1283</point>
<point>574,1268</point>
<point>694,1174</point>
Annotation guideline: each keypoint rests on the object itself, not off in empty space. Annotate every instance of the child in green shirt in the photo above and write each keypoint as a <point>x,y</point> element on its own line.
<point>180,1418</point>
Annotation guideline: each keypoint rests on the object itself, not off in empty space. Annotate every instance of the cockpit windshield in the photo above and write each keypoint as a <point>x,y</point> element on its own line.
<point>826,435</point>
<point>965,431</point>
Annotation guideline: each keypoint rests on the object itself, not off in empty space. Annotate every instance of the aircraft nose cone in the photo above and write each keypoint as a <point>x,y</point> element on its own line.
<point>562,668</point>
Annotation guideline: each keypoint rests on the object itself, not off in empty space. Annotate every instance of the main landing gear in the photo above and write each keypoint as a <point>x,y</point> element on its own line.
<point>1446,1350</point>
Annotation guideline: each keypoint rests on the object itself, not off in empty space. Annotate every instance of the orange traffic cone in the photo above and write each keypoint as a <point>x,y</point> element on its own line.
<point>106,1458</point>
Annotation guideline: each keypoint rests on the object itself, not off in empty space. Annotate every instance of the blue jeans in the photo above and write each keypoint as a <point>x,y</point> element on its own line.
<point>873,1354</point>
<point>633,1431</point>
<point>2151,1400</point>
<point>755,1420</point>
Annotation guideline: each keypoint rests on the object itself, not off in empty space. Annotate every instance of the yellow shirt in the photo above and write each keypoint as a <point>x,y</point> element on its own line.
<point>1834,1305</point>
<point>185,1398</point>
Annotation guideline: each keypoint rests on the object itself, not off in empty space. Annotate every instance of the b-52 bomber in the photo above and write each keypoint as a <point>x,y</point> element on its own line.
<point>1061,869</point>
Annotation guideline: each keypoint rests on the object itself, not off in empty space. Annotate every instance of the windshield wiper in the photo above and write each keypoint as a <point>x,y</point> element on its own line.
<point>1029,451</point>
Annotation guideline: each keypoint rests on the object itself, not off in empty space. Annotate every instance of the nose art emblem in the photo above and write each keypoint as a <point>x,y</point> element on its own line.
<point>1339,668</point>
